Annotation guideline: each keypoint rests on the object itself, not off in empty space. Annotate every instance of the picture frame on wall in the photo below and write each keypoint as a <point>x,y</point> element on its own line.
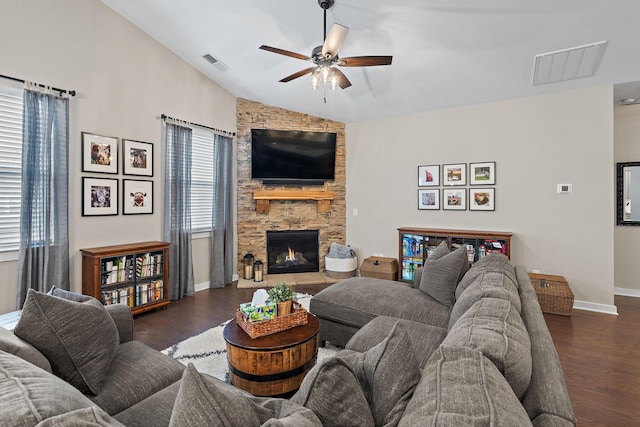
<point>99,153</point>
<point>454,199</point>
<point>99,196</point>
<point>482,199</point>
<point>137,197</point>
<point>137,157</point>
<point>454,174</point>
<point>482,173</point>
<point>429,199</point>
<point>429,176</point>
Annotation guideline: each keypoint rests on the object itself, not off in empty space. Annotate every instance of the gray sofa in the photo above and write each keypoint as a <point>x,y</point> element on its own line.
<point>456,321</point>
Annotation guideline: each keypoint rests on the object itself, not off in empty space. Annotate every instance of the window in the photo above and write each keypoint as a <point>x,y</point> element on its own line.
<point>10,167</point>
<point>202,179</point>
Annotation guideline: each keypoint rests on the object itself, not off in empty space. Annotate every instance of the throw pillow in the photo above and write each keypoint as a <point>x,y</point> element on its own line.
<point>460,387</point>
<point>442,272</point>
<point>71,296</point>
<point>332,390</point>
<point>86,417</point>
<point>201,403</point>
<point>78,338</point>
<point>494,327</point>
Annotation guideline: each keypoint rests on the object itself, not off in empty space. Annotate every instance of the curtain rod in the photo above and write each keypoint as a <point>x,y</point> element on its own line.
<point>223,132</point>
<point>70,92</point>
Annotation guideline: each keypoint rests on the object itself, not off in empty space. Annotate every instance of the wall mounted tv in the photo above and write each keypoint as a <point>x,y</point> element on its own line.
<point>293,157</point>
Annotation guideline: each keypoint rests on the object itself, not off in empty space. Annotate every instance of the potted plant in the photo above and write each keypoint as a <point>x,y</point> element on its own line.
<point>282,295</point>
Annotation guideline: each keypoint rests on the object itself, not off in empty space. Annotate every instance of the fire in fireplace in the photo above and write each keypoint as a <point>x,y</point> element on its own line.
<point>292,251</point>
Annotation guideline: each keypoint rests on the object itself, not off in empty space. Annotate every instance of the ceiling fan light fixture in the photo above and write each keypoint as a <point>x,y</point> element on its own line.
<point>315,79</point>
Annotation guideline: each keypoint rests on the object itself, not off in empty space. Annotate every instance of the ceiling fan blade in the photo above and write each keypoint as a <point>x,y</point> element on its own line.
<point>365,61</point>
<point>285,52</point>
<point>343,81</point>
<point>298,74</point>
<point>334,40</point>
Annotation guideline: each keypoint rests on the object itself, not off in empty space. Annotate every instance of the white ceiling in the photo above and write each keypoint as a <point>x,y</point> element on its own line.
<point>446,53</point>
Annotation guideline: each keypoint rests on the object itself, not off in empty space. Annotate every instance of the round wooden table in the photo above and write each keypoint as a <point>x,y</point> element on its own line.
<point>271,365</point>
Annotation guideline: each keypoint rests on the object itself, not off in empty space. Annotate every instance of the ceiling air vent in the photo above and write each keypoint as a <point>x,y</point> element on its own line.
<point>567,64</point>
<point>215,62</point>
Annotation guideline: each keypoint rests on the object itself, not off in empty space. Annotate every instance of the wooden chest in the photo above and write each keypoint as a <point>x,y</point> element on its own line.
<point>380,268</point>
<point>554,293</point>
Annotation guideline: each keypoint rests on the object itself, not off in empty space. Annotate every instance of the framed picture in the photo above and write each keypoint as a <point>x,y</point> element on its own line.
<point>455,174</point>
<point>137,158</point>
<point>429,176</point>
<point>99,196</point>
<point>429,199</point>
<point>482,199</point>
<point>99,153</point>
<point>482,173</point>
<point>454,199</point>
<point>137,197</point>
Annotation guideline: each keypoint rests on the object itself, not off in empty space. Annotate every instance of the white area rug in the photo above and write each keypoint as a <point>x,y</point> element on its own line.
<point>207,351</point>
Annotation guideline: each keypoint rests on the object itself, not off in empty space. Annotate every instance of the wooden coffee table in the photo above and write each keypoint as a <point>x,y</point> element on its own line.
<point>275,364</point>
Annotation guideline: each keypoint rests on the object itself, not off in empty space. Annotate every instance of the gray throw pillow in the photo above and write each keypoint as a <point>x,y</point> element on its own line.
<point>441,273</point>
<point>79,339</point>
<point>10,343</point>
<point>87,417</point>
<point>332,391</point>
<point>461,387</point>
<point>494,327</point>
<point>200,403</point>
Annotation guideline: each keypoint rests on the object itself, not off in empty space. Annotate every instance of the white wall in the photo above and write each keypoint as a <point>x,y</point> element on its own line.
<point>537,143</point>
<point>125,81</point>
<point>627,238</point>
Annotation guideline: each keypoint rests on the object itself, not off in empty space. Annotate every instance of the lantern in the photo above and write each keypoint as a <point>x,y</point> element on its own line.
<point>248,266</point>
<point>257,271</point>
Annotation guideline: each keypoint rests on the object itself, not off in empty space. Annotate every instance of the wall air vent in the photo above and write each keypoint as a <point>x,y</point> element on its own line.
<point>567,64</point>
<point>215,62</point>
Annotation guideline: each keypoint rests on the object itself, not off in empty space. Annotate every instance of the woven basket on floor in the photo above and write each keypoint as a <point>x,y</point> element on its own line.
<point>297,317</point>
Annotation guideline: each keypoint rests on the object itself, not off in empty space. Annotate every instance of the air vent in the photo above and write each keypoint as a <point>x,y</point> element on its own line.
<point>215,62</point>
<point>567,64</point>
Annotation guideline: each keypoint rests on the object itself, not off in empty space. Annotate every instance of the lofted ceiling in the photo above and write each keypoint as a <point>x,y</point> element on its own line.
<point>446,53</point>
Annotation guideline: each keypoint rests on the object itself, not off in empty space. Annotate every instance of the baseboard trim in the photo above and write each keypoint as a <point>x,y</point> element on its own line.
<point>599,308</point>
<point>627,292</point>
<point>201,286</point>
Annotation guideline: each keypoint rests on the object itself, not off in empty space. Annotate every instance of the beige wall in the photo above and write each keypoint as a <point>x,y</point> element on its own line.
<point>537,142</point>
<point>627,238</point>
<point>125,81</point>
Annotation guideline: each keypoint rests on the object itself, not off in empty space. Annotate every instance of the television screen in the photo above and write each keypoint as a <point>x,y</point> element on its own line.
<point>292,157</point>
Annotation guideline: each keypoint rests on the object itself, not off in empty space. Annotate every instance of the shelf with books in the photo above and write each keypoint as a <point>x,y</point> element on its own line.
<point>133,274</point>
<point>415,245</point>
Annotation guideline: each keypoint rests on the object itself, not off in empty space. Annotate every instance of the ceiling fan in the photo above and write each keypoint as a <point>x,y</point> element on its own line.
<point>325,58</point>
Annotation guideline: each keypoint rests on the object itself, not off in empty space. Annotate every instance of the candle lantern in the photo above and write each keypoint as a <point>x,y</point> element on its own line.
<point>257,271</point>
<point>248,266</point>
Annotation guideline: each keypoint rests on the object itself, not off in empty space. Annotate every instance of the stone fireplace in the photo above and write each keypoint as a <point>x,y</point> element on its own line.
<point>286,215</point>
<point>292,251</point>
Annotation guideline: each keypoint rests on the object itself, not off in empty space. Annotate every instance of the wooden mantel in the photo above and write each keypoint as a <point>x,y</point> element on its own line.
<point>263,197</point>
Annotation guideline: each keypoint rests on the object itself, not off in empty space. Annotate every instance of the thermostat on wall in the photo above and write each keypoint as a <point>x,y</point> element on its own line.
<point>564,188</point>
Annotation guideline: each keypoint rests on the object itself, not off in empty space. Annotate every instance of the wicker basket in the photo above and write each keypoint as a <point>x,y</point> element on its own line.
<point>556,297</point>
<point>297,317</point>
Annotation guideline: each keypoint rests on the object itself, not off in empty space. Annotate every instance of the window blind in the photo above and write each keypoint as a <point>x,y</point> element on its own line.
<point>202,179</point>
<point>10,167</point>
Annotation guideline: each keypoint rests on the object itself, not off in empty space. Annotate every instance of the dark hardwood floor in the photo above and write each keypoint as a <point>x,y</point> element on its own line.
<point>600,353</point>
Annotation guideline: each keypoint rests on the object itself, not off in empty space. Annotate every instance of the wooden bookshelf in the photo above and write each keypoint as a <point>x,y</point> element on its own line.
<point>135,274</point>
<point>414,245</point>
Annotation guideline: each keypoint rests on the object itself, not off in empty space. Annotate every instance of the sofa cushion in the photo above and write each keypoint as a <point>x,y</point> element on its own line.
<point>495,328</point>
<point>30,394</point>
<point>460,387</point>
<point>442,272</point>
<point>493,262</point>
<point>388,374</point>
<point>10,343</point>
<point>78,338</point>
<point>490,284</point>
<point>332,391</point>
<point>154,410</point>
<point>136,372</point>
<point>87,417</point>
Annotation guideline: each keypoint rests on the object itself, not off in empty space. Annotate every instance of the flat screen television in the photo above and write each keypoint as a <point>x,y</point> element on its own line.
<point>292,157</point>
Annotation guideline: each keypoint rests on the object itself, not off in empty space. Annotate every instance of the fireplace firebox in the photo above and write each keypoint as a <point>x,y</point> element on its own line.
<point>293,251</point>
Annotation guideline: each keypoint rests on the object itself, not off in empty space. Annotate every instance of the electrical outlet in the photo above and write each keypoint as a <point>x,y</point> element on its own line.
<point>564,188</point>
<point>355,212</point>
<point>535,271</point>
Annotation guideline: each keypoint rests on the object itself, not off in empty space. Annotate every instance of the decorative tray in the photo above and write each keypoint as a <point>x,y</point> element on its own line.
<point>297,317</point>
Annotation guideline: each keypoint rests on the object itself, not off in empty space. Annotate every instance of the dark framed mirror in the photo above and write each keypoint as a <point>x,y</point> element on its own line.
<point>628,193</point>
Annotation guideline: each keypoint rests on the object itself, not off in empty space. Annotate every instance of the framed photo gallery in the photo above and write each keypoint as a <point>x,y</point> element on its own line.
<point>101,195</point>
<point>454,194</point>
